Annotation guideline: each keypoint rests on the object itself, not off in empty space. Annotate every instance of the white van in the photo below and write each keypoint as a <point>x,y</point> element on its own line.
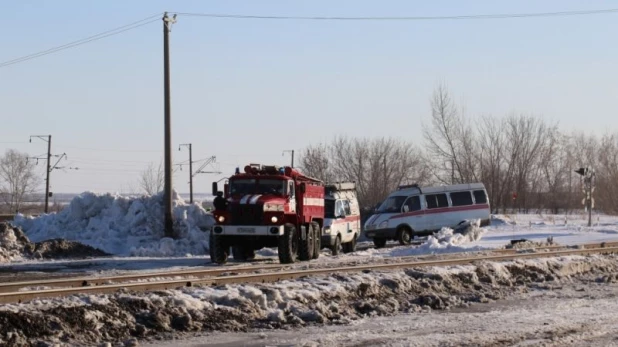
<point>342,222</point>
<point>413,211</point>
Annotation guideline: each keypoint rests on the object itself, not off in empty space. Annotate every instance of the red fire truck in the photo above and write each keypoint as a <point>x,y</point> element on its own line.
<point>269,206</point>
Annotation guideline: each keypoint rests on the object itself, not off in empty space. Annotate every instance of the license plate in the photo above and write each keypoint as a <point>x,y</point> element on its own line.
<point>246,230</point>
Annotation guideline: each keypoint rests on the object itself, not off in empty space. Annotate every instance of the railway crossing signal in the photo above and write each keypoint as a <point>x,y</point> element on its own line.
<point>588,180</point>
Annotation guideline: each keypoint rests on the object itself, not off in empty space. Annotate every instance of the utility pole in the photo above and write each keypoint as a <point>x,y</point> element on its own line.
<point>169,223</point>
<point>190,170</point>
<point>292,151</point>
<point>47,138</point>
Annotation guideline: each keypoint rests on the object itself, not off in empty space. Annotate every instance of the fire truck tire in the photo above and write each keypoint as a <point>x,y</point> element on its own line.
<point>243,253</point>
<point>336,248</point>
<point>404,236</point>
<point>349,247</point>
<point>288,245</point>
<point>219,251</point>
<point>305,249</point>
<point>379,242</point>
<point>317,247</point>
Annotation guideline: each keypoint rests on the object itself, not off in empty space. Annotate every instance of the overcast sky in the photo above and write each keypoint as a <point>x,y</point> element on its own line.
<point>246,90</point>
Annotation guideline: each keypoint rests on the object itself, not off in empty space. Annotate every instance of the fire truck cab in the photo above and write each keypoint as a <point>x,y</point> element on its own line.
<point>269,206</point>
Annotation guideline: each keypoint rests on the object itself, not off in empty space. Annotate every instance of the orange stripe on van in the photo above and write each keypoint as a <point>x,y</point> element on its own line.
<point>346,220</point>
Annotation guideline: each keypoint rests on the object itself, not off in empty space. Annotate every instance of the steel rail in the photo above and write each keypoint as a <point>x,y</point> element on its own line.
<point>75,282</point>
<point>21,296</point>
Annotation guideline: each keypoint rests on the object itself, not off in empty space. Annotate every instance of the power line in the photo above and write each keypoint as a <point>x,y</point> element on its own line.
<point>409,18</point>
<point>92,38</point>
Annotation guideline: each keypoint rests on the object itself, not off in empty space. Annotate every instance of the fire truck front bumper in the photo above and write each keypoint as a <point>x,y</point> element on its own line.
<point>248,230</point>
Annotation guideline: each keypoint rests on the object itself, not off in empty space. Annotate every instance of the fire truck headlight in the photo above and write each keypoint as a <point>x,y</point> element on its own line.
<point>221,219</point>
<point>274,219</point>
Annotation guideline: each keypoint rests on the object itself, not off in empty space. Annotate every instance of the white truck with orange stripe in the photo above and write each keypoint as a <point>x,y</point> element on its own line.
<point>342,222</point>
<point>269,206</point>
<point>413,211</point>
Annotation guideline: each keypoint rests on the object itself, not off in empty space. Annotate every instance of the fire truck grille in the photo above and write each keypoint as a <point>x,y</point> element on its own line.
<point>247,215</point>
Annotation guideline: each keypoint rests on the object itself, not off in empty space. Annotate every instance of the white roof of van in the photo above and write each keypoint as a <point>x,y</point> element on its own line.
<point>437,189</point>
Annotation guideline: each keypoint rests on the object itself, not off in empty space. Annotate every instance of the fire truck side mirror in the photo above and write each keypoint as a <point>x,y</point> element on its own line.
<point>214,188</point>
<point>303,188</point>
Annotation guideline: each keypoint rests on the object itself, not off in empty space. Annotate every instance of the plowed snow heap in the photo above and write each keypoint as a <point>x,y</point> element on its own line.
<point>14,245</point>
<point>127,226</point>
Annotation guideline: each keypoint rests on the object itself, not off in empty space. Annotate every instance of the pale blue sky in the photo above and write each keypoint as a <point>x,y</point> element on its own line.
<point>245,90</point>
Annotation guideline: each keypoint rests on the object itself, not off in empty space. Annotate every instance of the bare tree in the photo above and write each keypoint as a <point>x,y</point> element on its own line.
<point>450,141</point>
<point>377,166</point>
<point>18,179</point>
<point>152,179</point>
<point>314,162</point>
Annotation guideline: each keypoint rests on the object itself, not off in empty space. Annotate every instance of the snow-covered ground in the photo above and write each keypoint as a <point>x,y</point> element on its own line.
<point>345,308</point>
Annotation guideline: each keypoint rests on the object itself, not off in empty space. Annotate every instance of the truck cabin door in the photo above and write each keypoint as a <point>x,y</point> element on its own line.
<point>292,195</point>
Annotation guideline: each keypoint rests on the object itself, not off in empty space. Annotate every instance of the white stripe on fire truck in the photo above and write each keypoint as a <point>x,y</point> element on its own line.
<point>313,202</point>
<point>244,199</point>
<point>254,199</point>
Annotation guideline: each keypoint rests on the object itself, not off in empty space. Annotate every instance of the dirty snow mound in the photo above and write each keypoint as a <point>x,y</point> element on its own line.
<point>14,245</point>
<point>124,225</point>
<point>333,299</point>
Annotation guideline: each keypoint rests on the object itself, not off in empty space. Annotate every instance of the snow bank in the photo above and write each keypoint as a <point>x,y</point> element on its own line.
<point>127,226</point>
<point>332,299</point>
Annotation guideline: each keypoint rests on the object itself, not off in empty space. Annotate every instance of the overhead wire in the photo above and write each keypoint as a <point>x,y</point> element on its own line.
<point>92,38</point>
<point>403,18</point>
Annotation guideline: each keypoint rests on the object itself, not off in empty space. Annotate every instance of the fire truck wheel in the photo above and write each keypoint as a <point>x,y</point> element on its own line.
<point>288,245</point>
<point>243,253</point>
<point>350,247</point>
<point>336,248</point>
<point>404,236</point>
<point>318,240</point>
<point>219,251</point>
<point>306,246</point>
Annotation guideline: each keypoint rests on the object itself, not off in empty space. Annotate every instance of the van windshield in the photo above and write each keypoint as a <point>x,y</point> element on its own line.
<point>392,204</point>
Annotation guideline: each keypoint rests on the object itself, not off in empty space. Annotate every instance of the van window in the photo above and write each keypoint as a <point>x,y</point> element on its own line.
<point>480,197</point>
<point>461,198</point>
<point>339,211</point>
<point>346,207</point>
<point>412,204</point>
<point>436,200</point>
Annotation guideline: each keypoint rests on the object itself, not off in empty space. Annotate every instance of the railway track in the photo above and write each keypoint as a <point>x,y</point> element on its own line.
<point>17,292</point>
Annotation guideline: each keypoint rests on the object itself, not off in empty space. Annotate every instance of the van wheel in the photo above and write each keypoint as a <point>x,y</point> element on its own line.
<point>317,247</point>
<point>350,247</point>
<point>219,250</point>
<point>288,245</point>
<point>306,245</point>
<point>243,253</point>
<point>379,242</point>
<point>336,248</point>
<point>404,236</point>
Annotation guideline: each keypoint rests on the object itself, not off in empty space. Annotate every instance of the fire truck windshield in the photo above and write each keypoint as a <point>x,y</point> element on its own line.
<point>246,186</point>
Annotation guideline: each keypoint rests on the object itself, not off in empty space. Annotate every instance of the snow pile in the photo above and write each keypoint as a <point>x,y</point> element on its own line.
<point>447,237</point>
<point>15,245</point>
<point>118,225</point>
<point>11,243</point>
<point>333,299</point>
